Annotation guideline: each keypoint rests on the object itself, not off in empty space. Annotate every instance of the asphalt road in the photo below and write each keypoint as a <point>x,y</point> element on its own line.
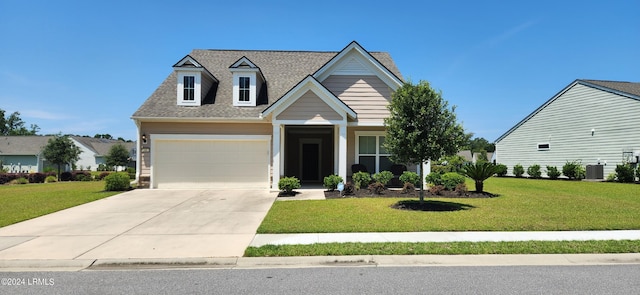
<point>618,279</point>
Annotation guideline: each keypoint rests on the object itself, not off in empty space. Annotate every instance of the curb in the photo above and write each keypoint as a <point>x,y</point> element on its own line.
<point>323,261</point>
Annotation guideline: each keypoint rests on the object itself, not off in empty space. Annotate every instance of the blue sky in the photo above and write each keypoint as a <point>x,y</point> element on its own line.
<point>84,67</point>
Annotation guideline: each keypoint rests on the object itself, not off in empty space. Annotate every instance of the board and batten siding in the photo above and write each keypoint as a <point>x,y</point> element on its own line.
<point>309,107</point>
<point>368,96</point>
<point>566,124</point>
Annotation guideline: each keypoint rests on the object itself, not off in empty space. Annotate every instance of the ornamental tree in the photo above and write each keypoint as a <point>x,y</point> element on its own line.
<point>421,127</point>
<point>117,156</point>
<point>61,150</point>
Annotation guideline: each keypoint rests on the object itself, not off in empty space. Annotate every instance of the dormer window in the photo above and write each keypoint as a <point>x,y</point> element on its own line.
<point>247,82</point>
<point>194,82</point>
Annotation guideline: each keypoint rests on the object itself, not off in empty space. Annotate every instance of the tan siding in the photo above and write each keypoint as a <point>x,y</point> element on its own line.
<point>149,128</point>
<point>309,107</point>
<point>351,146</point>
<point>566,125</point>
<point>368,96</point>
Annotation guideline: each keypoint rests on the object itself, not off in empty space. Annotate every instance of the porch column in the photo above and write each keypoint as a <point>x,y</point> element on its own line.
<point>275,160</point>
<point>342,151</point>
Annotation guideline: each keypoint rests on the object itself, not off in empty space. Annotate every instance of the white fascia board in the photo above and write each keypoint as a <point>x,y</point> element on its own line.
<point>199,120</point>
<point>155,137</point>
<point>366,124</point>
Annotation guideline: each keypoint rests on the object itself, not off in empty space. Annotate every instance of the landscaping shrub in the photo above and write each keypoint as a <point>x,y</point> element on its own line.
<point>625,173</point>
<point>461,189</point>
<point>574,170</point>
<point>408,188</point>
<point>331,182</point>
<point>361,178</point>
<point>66,176</point>
<point>436,189</point>
<point>36,177</point>
<point>376,188</point>
<point>102,175</point>
<point>21,180</point>
<point>553,172</point>
<point>451,179</point>
<point>638,172</point>
<point>534,171</point>
<point>383,177</point>
<point>611,177</point>
<point>501,170</point>
<point>117,182</point>
<point>288,184</point>
<point>479,172</point>
<point>50,179</point>
<point>349,189</point>
<point>434,178</point>
<point>132,173</point>
<point>81,175</point>
<point>518,170</point>
<point>8,177</point>
<point>410,177</point>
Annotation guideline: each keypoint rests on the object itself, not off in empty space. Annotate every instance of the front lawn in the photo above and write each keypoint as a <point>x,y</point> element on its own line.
<point>22,202</point>
<point>522,205</point>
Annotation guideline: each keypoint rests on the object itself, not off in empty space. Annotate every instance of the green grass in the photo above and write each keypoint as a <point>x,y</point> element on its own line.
<point>522,205</point>
<point>457,248</point>
<point>22,202</point>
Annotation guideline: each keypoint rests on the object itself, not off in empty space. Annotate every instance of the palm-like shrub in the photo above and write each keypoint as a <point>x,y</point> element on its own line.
<point>479,172</point>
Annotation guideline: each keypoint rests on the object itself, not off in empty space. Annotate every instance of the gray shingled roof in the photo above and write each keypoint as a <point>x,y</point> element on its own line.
<point>282,71</point>
<point>22,145</point>
<point>33,145</point>
<point>632,88</point>
<point>101,146</point>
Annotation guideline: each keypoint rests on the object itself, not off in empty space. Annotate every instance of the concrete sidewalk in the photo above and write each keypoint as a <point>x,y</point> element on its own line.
<point>415,237</point>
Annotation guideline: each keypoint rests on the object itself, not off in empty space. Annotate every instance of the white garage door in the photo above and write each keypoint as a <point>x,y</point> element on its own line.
<point>211,163</point>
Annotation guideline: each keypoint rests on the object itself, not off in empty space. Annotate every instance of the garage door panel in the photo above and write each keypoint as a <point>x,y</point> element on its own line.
<point>211,164</point>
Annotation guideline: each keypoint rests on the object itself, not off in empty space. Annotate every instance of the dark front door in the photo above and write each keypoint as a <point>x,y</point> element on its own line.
<point>310,162</point>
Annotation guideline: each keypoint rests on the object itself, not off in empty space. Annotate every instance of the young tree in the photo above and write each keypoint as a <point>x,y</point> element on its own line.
<point>117,156</point>
<point>421,127</point>
<point>61,150</point>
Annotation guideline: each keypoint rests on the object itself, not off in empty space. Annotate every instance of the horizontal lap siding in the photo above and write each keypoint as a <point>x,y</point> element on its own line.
<point>368,96</point>
<point>566,125</point>
<point>309,107</point>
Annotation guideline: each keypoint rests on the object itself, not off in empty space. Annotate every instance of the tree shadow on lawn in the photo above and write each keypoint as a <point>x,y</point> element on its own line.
<point>430,206</point>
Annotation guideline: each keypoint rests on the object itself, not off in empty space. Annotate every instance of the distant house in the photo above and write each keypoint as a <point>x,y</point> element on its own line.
<point>246,118</point>
<point>592,121</point>
<point>24,153</point>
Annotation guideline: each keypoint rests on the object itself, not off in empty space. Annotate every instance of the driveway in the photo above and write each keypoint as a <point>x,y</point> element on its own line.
<point>143,224</point>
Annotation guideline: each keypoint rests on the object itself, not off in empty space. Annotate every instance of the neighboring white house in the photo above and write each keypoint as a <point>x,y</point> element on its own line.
<point>24,153</point>
<point>595,122</point>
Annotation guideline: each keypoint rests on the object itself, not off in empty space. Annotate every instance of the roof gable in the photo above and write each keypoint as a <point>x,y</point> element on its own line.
<point>355,60</point>
<point>625,89</point>
<point>313,85</point>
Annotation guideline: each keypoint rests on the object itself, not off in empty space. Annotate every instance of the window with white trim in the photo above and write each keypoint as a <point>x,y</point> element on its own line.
<point>244,89</point>
<point>371,153</point>
<point>189,88</point>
